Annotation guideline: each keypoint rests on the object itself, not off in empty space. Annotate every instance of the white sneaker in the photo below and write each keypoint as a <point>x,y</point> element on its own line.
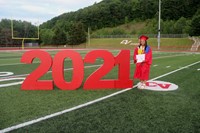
<point>143,86</point>
<point>139,85</point>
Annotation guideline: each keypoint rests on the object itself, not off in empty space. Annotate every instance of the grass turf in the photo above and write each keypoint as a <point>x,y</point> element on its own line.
<point>137,111</point>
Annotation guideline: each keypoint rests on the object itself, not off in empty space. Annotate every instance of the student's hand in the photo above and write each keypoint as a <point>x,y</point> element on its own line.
<point>143,61</point>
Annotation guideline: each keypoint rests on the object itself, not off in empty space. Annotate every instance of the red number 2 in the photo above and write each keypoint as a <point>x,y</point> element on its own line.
<point>31,82</point>
<point>94,80</point>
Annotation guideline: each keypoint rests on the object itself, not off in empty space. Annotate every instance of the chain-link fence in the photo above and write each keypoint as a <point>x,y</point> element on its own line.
<point>136,36</point>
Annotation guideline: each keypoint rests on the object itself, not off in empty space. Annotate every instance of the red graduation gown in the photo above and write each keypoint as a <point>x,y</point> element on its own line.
<point>142,70</point>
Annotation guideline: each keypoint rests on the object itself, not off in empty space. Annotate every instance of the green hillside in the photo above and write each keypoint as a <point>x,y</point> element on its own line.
<point>116,17</point>
<point>111,13</point>
<point>129,28</point>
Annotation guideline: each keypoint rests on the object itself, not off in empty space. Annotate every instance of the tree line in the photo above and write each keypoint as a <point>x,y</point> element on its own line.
<point>21,29</point>
<point>178,17</point>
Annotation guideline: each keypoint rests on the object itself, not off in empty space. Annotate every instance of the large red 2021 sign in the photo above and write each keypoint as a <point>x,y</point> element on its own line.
<point>94,81</point>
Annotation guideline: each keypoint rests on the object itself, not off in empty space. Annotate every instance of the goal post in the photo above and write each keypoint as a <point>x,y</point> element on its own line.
<point>24,38</point>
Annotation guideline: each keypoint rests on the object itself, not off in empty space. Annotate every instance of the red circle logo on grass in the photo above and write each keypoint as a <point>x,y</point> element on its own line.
<point>160,86</point>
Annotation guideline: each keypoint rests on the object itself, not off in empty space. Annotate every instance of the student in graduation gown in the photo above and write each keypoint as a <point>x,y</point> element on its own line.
<point>142,67</point>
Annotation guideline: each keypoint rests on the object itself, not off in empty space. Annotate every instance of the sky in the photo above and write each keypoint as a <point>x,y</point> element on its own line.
<point>39,11</point>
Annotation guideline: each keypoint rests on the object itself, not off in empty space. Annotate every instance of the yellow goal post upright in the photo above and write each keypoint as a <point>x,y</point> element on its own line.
<point>24,38</point>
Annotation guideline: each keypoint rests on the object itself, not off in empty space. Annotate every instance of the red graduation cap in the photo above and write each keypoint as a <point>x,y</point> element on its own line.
<point>144,37</point>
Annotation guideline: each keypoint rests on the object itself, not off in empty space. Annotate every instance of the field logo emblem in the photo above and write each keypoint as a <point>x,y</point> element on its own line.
<point>160,86</point>
<point>125,42</point>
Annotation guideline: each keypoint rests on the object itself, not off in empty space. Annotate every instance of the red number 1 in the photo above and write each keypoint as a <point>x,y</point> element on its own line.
<point>123,62</point>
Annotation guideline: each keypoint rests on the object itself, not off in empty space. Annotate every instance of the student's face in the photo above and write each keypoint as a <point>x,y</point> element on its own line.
<point>142,42</point>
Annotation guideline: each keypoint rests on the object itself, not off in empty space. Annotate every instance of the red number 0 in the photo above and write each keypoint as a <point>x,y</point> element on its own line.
<point>58,70</point>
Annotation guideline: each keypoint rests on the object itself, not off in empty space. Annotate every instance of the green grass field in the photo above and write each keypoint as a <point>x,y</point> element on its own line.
<point>181,44</point>
<point>132,111</point>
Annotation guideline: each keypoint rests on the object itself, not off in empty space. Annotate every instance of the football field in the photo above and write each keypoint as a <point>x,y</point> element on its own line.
<point>108,110</point>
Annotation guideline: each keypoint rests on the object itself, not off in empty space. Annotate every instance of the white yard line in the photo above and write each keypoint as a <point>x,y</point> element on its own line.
<point>11,64</point>
<point>11,84</point>
<point>71,68</point>
<point>173,55</point>
<point>3,74</point>
<point>11,58</point>
<point>85,104</point>
<point>185,67</point>
<point>22,75</point>
<point>99,59</point>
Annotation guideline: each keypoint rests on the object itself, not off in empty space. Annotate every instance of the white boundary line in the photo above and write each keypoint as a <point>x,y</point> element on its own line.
<point>85,104</point>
